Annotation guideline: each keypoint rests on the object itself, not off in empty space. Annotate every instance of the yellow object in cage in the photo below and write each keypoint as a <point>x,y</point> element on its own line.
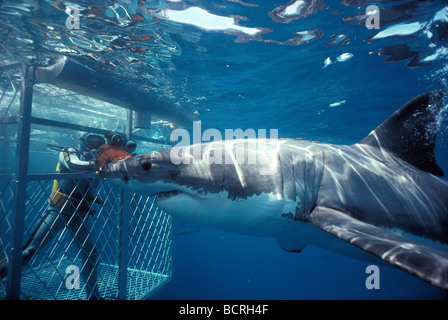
<point>57,198</point>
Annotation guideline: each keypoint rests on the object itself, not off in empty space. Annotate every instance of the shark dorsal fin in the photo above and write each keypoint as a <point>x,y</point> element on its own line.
<point>410,133</point>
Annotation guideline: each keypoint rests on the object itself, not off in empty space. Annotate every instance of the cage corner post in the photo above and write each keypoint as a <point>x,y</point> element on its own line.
<point>21,180</point>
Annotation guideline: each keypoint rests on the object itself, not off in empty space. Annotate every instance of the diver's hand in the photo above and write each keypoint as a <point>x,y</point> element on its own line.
<point>69,150</point>
<point>93,164</point>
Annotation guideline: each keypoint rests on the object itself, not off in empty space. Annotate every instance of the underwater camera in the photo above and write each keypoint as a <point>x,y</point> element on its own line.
<point>108,153</point>
<point>115,139</point>
<point>119,141</point>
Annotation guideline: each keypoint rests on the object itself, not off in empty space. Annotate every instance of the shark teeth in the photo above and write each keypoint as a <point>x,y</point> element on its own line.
<point>168,194</point>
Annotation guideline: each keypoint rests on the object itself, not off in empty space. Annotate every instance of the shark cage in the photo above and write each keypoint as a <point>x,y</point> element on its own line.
<point>130,239</point>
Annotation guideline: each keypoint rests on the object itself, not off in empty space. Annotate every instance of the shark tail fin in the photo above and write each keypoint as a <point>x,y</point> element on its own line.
<point>410,133</point>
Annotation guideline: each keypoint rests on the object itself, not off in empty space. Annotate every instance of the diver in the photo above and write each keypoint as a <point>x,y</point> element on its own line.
<point>71,202</point>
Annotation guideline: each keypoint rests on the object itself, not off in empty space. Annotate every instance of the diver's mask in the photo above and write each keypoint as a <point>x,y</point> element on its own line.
<point>91,141</point>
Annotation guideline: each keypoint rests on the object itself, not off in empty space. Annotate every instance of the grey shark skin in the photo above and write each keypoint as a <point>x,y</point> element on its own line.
<point>340,197</point>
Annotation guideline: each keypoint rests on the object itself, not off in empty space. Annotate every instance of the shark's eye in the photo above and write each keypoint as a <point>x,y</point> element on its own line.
<point>146,166</point>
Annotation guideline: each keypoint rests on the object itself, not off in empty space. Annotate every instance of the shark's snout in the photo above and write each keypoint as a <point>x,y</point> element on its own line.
<point>125,170</point>
<point>113,170</point>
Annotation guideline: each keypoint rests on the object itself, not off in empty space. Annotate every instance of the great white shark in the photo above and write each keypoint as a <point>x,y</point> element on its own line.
<point>382,195</point>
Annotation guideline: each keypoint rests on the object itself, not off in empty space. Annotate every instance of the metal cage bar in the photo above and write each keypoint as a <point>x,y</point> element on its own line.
<point>21,171</point>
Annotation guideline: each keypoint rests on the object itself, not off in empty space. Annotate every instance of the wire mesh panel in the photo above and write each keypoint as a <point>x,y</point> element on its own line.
<point>6,197</point>
<point>150,240</point>
<point>10,79</point>
<point>79,259</point>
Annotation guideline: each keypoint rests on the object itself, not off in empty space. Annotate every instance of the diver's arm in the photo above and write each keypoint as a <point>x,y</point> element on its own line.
<point>69,159</point>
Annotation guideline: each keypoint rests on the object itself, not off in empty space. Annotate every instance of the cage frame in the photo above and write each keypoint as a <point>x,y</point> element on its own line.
<point>21,177</point>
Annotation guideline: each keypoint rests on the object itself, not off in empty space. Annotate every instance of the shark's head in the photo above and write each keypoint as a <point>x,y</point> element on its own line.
<point>154,174</point>
<point>213,194</point>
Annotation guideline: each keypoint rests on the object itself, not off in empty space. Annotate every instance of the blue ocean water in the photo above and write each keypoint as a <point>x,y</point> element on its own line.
<point>289,76</point>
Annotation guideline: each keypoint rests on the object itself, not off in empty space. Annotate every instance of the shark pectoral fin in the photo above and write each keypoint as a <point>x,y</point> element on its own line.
<point>423,261</point>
